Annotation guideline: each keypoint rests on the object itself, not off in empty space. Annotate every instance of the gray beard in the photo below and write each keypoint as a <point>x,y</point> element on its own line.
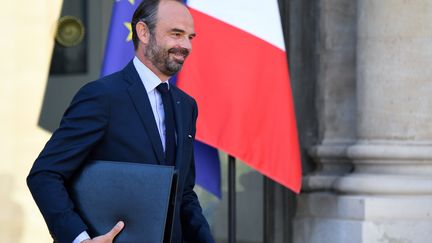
<point>160,58</point>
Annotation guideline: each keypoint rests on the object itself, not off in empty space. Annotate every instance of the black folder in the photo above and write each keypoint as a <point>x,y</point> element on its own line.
<point>141,195</point>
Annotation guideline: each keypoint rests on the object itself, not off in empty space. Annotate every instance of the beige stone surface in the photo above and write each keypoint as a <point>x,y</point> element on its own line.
<point>336,94</point>
<point>327,217</point>
<point>26,44</point>
<point>394,70</point>
<point>388,195</point>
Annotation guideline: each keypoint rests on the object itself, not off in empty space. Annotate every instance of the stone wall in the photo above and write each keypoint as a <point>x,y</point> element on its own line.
<point>373,181</point>
<point>27,38</point>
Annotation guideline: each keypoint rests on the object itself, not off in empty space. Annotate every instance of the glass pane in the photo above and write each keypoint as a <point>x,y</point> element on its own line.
<point>249,192</point>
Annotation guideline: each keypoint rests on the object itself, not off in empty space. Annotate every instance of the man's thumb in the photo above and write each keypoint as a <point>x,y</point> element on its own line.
<point>115,230</point>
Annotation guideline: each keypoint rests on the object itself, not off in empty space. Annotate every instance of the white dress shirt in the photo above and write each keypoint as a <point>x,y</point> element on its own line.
<point>150,81</point>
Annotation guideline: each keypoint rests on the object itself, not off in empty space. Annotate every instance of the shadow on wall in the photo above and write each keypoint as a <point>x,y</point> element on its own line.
<point>11,216</point>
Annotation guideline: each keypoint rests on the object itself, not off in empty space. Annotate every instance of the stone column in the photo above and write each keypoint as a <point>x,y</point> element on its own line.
<point>335,98</point>
<point>388,197</point>
<point>393,154</point>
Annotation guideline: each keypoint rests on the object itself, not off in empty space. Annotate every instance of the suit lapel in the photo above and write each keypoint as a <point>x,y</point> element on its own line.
<point>141,102</point>
<point>179,117</point>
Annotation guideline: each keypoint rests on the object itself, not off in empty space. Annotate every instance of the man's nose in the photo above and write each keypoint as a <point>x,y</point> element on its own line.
<point>186,43</point>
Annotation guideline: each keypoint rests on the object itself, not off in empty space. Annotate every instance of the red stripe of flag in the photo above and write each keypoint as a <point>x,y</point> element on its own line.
<point>242,87</point>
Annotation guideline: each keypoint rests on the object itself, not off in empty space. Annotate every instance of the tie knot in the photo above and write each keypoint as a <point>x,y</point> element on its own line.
<point>162,88</point>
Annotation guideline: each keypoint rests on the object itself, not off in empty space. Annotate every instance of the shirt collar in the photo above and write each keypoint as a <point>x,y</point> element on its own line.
<point>149,79</point>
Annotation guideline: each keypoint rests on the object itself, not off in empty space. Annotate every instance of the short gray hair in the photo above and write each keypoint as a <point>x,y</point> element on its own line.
<point>146,12</point>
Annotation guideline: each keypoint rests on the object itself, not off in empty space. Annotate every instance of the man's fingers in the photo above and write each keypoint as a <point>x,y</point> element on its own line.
<point>115,230</point>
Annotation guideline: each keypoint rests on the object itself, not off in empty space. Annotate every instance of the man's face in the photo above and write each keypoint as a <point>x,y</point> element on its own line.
<point>170,43</point>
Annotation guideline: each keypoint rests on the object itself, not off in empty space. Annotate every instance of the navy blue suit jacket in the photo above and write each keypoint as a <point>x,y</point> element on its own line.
<point>111,119</point>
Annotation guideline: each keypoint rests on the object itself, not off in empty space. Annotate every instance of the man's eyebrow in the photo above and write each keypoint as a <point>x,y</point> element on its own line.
<point>182,31</point>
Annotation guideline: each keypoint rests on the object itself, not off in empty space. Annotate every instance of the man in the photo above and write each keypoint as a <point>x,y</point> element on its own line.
<point>125,117</point>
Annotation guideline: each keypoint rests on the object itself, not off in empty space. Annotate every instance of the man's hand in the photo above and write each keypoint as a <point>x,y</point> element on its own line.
<point>108,237</point>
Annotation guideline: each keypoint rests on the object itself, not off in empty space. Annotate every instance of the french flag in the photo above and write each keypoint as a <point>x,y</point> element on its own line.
<point>238,73</point>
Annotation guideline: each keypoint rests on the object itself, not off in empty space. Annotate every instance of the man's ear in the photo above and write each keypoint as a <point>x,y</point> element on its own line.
<point>143,32</point>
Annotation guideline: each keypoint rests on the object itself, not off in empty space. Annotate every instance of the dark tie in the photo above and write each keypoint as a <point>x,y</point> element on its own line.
<point>170,144</point>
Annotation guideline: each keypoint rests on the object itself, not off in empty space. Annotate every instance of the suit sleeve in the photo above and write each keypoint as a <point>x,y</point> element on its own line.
<point>194,225</point>
<point>82,126</point>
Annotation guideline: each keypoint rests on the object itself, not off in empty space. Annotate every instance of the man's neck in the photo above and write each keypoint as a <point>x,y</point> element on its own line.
<point>152,67</point>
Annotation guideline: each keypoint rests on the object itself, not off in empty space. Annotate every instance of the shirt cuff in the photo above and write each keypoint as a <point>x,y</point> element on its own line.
<point>81,237</point>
